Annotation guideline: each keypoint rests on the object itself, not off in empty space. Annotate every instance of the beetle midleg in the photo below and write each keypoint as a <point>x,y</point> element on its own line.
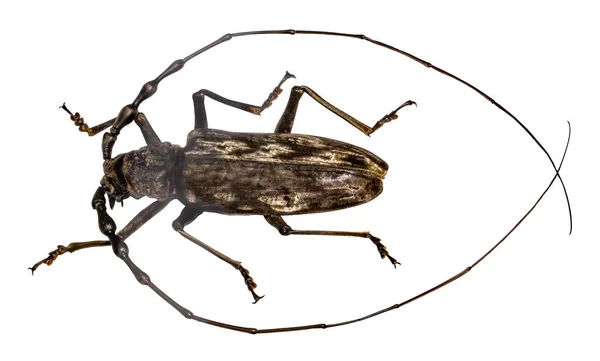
<point>285,230</point>
<point>289,114</point>
<point>187,216</point>
<point>139,220</point>
<point>200,110</point>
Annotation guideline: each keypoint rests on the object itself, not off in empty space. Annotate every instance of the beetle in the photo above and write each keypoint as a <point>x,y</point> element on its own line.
<point>268,174</point>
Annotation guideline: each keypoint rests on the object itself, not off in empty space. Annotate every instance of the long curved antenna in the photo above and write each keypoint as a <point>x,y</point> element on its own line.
<point>150,87</point>
<point>122,252</point>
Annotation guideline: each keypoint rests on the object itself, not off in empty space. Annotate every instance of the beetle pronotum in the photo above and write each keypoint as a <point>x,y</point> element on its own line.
<point>269,174</point>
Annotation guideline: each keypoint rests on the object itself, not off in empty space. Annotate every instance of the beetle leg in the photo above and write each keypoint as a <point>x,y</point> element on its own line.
<point>285,230</point>
<point>200,110</point>
<point>72,247</point>
<point>78,120</point>
<point>149,134</point>
<point>187,216</point>
<point>139,220</point>
<point>289,114</point>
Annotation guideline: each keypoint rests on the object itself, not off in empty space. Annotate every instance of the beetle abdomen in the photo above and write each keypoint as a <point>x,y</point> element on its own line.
<point>248,173</point>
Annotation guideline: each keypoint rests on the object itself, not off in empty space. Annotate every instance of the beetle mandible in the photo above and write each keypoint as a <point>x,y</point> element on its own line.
<point>268,174</point>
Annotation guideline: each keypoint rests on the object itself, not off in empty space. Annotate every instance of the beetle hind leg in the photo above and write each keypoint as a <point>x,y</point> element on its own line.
<point>285,230</point>
<point>187,216</point>
<point>286,121</point>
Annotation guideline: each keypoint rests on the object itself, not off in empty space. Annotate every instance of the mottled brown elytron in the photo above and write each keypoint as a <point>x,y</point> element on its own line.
<point>268,174</point>
<point>280,174</point>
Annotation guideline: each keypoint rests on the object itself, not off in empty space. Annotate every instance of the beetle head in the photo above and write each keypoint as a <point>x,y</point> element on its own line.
<point>114,180</point>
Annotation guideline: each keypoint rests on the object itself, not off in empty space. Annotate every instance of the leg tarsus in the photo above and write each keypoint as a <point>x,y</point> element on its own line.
<point>287,76</point>
<point>391,116</point>
<point>383,252</point>
<point>83,127</point>
<point>249,283</point>
<point>52,256</point>
<point>275,93</point>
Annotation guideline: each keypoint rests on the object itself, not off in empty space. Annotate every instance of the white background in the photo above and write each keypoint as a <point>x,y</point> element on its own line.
<point>461,175</point>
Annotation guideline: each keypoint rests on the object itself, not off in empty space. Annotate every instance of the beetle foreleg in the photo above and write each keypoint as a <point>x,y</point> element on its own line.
<point>187,216</point>
<point>139,220</point>
<point>200,109</point>
<point>149,134</point>
<point>289,114</point>
<point>285,230</point>
<point>72,247</point>
<point>78,120</point>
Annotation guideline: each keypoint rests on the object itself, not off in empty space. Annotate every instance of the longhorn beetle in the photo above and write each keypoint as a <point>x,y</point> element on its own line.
<point>273,175</point>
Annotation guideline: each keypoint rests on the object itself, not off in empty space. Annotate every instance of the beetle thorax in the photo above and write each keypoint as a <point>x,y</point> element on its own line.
<point>146,172</point>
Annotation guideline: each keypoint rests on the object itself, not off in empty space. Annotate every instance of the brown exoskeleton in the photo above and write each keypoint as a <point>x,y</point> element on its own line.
<point>269,174</point>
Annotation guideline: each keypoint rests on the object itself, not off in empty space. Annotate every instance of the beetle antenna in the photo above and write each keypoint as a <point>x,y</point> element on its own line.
<point>144,279</point>
<point>150,88</point>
